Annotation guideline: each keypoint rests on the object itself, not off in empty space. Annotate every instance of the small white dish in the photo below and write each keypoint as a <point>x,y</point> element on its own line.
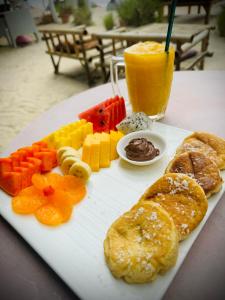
<point>157,140</point>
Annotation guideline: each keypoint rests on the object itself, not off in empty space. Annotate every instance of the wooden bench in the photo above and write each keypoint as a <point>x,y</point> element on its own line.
<point>75,44</point>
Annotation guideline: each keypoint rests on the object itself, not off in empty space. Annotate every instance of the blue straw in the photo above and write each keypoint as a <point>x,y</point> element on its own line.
<point>170,25</point>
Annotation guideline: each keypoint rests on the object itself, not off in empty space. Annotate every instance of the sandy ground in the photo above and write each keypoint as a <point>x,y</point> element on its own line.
<point>28,85</point>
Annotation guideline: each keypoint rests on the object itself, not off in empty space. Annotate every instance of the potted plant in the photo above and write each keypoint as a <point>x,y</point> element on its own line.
<point>64,13</point>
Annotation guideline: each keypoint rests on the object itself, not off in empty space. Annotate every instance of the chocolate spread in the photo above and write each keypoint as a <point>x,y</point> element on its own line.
<point>141,149</point>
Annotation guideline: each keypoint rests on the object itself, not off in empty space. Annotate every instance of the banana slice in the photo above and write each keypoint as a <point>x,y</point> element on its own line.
<point>67,163</point>
<point>62,150</point>
<point>81,170</point>
<point>68,153</point>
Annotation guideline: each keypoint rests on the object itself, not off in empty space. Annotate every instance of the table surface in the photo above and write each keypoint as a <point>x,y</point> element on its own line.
<point>196,103</point>
<point>181,32</point>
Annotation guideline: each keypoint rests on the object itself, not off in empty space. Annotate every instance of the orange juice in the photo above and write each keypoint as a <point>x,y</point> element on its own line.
<point>149,74</point>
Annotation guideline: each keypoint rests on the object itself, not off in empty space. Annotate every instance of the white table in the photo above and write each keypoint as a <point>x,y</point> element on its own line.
<point>197,102</point>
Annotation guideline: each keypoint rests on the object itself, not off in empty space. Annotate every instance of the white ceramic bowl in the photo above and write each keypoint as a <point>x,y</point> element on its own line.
<point>157,140</point>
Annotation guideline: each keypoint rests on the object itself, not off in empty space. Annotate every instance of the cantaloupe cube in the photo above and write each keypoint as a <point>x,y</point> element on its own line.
<point>95,155</point>
<point>86,152</point>
<point>113,143</point>
<point>115,136</point>
<point>104,150</point>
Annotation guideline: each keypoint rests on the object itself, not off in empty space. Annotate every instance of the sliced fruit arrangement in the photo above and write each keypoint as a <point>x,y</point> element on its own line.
<point>100,148</point>
<point>50,198</point>
<point>72,135</point>
<point>70,161</point>
<point>105,115</point>
<point>17,170</point>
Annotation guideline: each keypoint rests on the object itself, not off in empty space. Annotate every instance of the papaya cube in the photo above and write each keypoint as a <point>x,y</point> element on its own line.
<point>36,163</point>
<point>48,160</point>
<point>26,176</point>
<point>11,182</point>
<point>5,165</point>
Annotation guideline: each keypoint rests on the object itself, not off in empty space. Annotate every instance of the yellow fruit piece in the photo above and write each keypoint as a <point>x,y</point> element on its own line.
<point>67,163</point>
<point>68,153</point>
<point>80,169</point>
<point>86,153</point>
<point>72,135</point>
<point>104,150</point>
<point>95,155</point>
<point>115,136</point>
<point>62,150</point>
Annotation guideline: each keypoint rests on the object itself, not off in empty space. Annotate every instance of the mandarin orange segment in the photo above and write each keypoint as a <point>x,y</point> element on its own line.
<point>76,195</point>
<point>74,187</point>
<point>54,179</point>
<point>28,201</point>
<point>50,198</point>
<point>49,215</point>
<point>49,179</point>
<point>63,203</point>
<point>39,181</point>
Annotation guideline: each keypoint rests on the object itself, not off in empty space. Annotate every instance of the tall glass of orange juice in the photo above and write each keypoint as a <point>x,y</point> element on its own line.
<point>149,74</point>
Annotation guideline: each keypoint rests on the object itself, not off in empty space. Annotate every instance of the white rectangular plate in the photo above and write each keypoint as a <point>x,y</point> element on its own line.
<point>75,250</point>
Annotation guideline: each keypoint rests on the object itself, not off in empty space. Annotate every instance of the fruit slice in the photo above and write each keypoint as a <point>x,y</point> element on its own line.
<point>49,215</point>
<point>102,123</point>
<point>96,110</point>
<point>11,182</point>
<point>42,182</point>
<point>106,114</point>
<point>5,165</point>
<point>80,169</point>
<point>74,187</point>
<point>68,162</point>
<point>61,150</point>
<point>28,201</point>
<point>68,153</point>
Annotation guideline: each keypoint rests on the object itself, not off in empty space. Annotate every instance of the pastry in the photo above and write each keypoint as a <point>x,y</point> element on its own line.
<point>141,243</point>
<point>206,143</point>
<point>182,197</point>
<point>199,167</point>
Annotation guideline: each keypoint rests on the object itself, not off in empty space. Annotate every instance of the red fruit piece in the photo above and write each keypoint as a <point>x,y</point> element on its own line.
<point>102,123</point>
<point>11,182</point>
<point>106,115</point>
<point>94,112</point>
<point>5,165</point>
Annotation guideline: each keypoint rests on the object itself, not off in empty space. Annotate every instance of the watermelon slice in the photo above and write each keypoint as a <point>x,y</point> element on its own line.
<point>101,122</point>
<point>105,115</point>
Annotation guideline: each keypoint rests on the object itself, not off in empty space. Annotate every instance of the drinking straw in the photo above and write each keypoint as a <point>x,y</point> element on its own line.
<point>170,24</point>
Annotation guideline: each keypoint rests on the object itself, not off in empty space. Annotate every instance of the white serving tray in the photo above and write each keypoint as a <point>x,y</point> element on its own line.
<point>75,250</point>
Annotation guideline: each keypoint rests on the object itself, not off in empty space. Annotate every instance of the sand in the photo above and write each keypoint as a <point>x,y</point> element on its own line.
<point>28,85</point>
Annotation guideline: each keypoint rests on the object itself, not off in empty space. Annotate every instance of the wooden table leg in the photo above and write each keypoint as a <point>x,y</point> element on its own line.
<point>178,56</point>
<point>204,47</point>
<point>207,8</point>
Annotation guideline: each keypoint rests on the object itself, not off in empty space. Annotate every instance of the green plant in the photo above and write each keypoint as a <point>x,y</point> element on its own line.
<point>221,22</point>
<point>82,14</point>
<point>108,21</point>
<point>136,12</point>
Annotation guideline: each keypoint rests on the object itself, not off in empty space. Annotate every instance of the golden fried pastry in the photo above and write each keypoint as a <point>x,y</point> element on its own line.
<point>206,143</point>
<point>199,167</point>
<point>141,243</point>
<point>182,197</point>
